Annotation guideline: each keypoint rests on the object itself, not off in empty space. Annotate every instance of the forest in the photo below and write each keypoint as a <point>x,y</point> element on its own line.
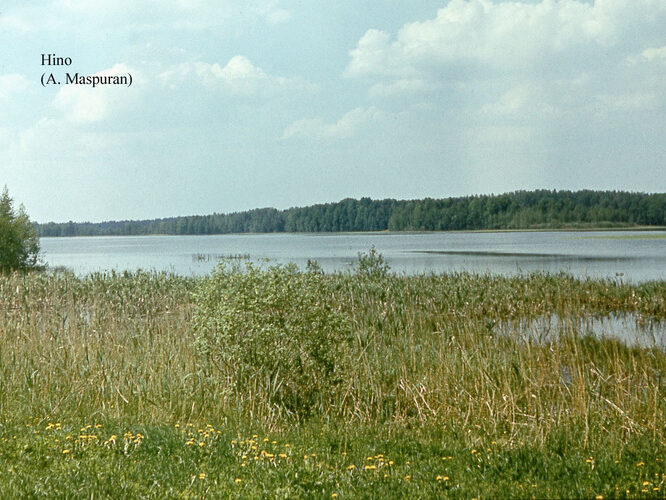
<point>541,209</point>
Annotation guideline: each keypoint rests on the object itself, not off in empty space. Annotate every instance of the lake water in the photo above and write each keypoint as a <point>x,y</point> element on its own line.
<point>628,255</point>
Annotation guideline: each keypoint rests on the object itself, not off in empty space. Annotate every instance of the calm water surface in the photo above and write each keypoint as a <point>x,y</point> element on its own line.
<point>627,255</point>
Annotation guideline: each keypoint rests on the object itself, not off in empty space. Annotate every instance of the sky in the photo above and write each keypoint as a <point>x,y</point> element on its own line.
<point>241,104</point>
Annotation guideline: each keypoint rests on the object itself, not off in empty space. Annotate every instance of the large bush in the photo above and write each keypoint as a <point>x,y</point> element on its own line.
<point>19,244</point>
<point>274,333</point>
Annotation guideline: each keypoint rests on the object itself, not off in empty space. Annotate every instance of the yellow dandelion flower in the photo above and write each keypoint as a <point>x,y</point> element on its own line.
<point>334,495</point>
<point>640,464</point>
<point>351,467</point>
<point>65,452</point>
<point>408,477</point>
<point>286,445</point>
<point>645,483</point>
<point>282,455</point>
<point>238,480</point>
<point>202,475</point>
<point>369,458</point>
<point>446,478</point>
<point>370,467</point>
<point>266,440</point>
<point>201,444</point>
<point>439,478</point>
<point>599,497</point>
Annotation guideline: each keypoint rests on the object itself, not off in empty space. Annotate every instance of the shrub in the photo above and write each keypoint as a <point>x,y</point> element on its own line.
<point>273,332</point>
<point>372,265</point>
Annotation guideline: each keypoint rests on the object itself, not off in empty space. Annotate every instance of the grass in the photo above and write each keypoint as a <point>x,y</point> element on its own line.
<point>105,391</point>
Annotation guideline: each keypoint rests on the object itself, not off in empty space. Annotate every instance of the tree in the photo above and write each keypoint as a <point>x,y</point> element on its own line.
<point>19,243</point>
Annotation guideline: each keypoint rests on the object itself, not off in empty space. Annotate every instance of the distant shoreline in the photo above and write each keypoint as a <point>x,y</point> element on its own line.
<point>388,232</point>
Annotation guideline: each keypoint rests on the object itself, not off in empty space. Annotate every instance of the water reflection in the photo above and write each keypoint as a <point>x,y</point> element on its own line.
<point>631,329</point>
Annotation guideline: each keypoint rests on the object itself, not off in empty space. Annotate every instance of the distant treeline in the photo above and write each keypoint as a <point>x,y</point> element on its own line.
<point>520,210</point>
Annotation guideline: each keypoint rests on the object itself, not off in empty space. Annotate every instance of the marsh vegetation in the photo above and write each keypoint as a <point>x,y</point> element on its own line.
<point>285,382</point>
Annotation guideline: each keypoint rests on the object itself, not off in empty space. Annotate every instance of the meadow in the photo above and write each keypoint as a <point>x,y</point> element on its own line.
<point>279,382</point>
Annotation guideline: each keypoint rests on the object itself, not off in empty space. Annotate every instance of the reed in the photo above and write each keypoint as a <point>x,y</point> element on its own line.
<point>415,356</point>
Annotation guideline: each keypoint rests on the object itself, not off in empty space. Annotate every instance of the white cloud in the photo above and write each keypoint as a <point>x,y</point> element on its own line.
<point>14,24</point>
<point>85,104</point>
<point>11,85</point>
<point>508,37</point>
<point>316,128</point>
<point>238,77</point>
<point>525,99</point>
<point>401,86</point>
<point>113,16</point>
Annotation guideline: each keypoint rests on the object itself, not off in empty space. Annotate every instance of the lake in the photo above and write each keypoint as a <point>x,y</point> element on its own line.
<point>628,255</point>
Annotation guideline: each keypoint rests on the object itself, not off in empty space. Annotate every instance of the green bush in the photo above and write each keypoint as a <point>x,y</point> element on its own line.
<point>273,332</point>
<point>19,244</point>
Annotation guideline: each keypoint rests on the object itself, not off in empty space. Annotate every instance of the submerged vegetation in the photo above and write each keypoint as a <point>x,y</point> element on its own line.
<point>519,210</point>
<point>282,382</point>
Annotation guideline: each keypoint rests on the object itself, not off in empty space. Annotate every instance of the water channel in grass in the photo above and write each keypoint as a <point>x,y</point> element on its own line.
<point>629,328</point>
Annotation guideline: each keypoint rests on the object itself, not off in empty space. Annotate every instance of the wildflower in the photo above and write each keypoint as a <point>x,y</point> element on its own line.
<point>65,452</point>
<point>640,464</point>
<point>334,495</point>
<point>351,467</point>
<point>201,444</point>
<point>282,455</point>
<point>370,467</point>
<point>202,475</point>
<point>439,478</point>
<point>238,480</point>
<point>599,497</point>
<point>408,477</point>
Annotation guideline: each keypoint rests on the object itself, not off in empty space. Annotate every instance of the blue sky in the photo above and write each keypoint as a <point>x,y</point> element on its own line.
<point>243,104</point>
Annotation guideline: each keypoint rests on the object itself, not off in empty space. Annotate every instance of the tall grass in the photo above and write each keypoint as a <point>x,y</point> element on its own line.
<point>420,352</point>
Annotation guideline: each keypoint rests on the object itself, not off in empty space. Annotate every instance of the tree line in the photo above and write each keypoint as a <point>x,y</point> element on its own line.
<point>542,209</point>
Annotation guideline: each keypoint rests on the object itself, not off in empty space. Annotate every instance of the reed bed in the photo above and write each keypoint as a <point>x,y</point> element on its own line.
<point>417,360</point>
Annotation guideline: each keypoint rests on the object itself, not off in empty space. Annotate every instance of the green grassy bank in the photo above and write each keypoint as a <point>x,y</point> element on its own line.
<point>281,383</point>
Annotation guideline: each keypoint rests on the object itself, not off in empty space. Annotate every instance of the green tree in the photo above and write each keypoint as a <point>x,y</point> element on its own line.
<point>19,243</point>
